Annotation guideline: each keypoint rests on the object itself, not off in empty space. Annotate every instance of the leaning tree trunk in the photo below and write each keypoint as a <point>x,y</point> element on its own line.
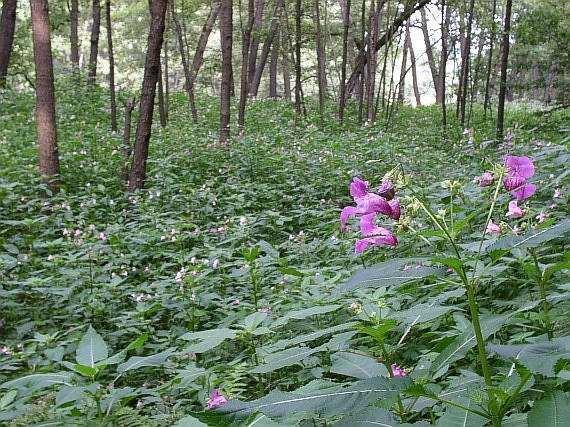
<point>431,58</point>
<point>414,70</point>
<point>45,94</point>
<point>7,26</point>
<point>298,101</point>
<point>111,67</point>
<point>146,106</point>
<point>504,64</point>
<point>403,69</point>
<point>245,45</point>
<point>73,34</point>
<point>466,64</point>
<point>321,60</point>
<point>342,97</point>
<point>94,51</point>
<point>254,41</point>
<point>487,100</point>
<point>226,29</point>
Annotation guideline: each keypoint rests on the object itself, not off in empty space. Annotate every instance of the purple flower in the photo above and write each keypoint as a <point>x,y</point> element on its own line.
<point>216,399</point>
<point>485,180</point>
<point>493,228</point>
<point>387,190</point>
<point>397,371</point>
<point>514,210</point>
<point>358,187</point>
<point>385,240</point>
<point>519,169</point>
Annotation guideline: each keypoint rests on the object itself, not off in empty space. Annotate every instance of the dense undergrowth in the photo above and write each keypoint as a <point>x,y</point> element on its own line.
<point>230,272</point>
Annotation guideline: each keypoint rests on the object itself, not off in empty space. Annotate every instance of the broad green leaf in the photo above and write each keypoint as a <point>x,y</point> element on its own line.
<point>357,365</point>
<point>553,410</point>
<point>531,239</point>
<point>369,417</point>
<point>7,399</point>
<point>86,371</point>
<point>92,349</point>
<point>189,421</point>
<point>379,332</point>
<point>38,381</point>
<point>68,394</point>
<point>201,342</point>
<point>326,402</point>
<point>427,311</point>
<point>458,417</point>
<point>136,362</point>
<point>303,314</point>
<point>288,357</point>
<point>311,336</point>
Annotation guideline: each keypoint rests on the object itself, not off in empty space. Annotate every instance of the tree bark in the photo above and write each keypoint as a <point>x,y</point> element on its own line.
<point>226,30</point>
<point>414,70</point>
<point>129,106</point>
<point>273,63</point>
<point>431,58</point>
<point>137,175</point>
<point>403,68</point>
<point>298,106</point>
<point>321,59</point>
<point>160,89</point>
<point>73,33</point>
<point>504,64</point>
<point>45,94</point>
<point>342,97</point>
<point>111,66</point>
<point>443,64</point>
<point>254,41</point>
<point>245,47</point>
<point>7,25</point>
<point>466,64</point>
<point>166,76</point>
<point>285,58</point>
<point>94,51</point>
<point>487,100</point>
<point>372,58</point>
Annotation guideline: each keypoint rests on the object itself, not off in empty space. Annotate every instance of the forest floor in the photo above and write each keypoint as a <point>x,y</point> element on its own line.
<point>244,243</point>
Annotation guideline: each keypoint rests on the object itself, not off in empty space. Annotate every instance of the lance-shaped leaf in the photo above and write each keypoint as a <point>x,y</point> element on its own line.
<point>357,365</point>
<point>369,418</point>
<point>427,311</point>
<point>91,349</point>
<point>390,273</point>
<point>311,336</point>
<point>38,381</point>
<point>202,341</point>
<point>324,402</point>
<point>531,239</point>
<point>136,362</point>
<point>281,359</point>
<point>540,358</point>
<point>303,314</point>
<point>551,411</point>
<point>454,416</point>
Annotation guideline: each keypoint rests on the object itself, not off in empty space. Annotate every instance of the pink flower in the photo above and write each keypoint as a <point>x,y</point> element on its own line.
<point>493,228</point>
<point>216,399</point>
<point>514,210</point>
<point>485,180</point>
<point>358,187</point>
<point>519,169</point>
<point>387,190</point>
<point>557,193</point>
<point>541,217</point>
<point>397,371</point>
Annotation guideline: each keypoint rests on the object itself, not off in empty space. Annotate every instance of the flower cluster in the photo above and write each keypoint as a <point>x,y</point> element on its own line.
<point>397,371</point>
<point>216,399</point>
<point>368,206</point>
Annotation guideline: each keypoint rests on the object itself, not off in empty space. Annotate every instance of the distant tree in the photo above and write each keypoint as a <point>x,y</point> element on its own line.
<point>226,30</point>
<point>504,64</point>
<point>45,94</point>
<point>321,58</point>
<point>254,42</point>
<point>436,78</point>
<point>413,65</point>
<point>445,16</point>
<point>111,66</point>
<point>465,68</point>
<point>73,33</point>
<point>273,66</point>
<point>7,26</point>
<point>298,100</point>
<point>487,101</point>
<point>137,174</point>
<point>245,46</point>
<point>94,51</point>
<point>346,25</point>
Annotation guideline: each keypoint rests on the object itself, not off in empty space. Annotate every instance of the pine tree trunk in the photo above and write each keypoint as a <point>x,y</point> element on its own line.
<point>298,106</point>
<point>73,33</point>
<point>504,64</point>
<point>94,51</point>
<point>273,63</point>
<point>137,175</point>
<point>342,97</point>
<point>487,101</point>
<point>245,47</point>
<point>254,43</point>
<point>7,26</point>
<point>431,58</point>
<point>226,29</point>
<point>45,94</point>
<point>111,66</point>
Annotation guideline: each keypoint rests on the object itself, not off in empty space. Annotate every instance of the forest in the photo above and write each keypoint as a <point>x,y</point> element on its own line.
<point>284,213</point>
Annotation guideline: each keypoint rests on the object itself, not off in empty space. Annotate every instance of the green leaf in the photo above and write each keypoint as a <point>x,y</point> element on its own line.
<point>311,336</point>
<point>92,349</point>
<point>427,311</point>
<point>357,366</point>
<point>380,331</point>
<point>531,239</point>
<point>369,417</point>
<point>325,402</point>
<point>138,343</point>
<point>189,421</point>
<point>86,371</point>
<point>201,342</point>
<point>7,399</point>
<point>67,394</point>
<point>553,410</point>
<point>389,273</point>
<point>38,381</point>
<point>303,314</point>
<point>288,357</point>
<point>136,362</point>
<point>454,416</point>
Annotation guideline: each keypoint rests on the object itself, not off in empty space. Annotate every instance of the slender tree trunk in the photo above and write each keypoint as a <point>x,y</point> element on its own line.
<point>342,98</point>
<point>255,38</point>
<point>298,106</point>
<point>166,78</point>
<point>94,52</point>
<point>466,62</point>
<point>160,90</point>
<point>129,106</point>
<point>285,57</point>
<point>111,66</point>
<point>443,65</point>
<point>45,94</point>
<point>245,47</point>
<point>321,59</point>
<point>431,58</point>
<point>273,31</point>
<point>504,64</point>
<point>7,26</point>
<point>462,46</point>
<point>361,75</point>
<point>414,70</point>
<point>226,29</point>
<point>486,103</point>
<point>403,69</point>
<point>73,33</point>
<point>475,79</point>
<point>372,60</point>
<point>273,63</point>
<point>137,175</point>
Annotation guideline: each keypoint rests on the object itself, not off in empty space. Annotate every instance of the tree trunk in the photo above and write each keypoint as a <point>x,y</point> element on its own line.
<point>360,74</point>
<point>504,64</point>
<point>129,106</point>
<point>321,60</point>
<point>285,58</point>
<point>298,106</point>
<point>7,25</point>
<point>273,67</point>
<point>372,59</point>
<point>466,64</point>
<point>111,67</point>
<point>73,33</point>
<point>273,30</point>
<point>403,69</point>
<point>94,52</point>
<point>431,58</point>
<point>254,41</point>
<point>160,89</point>
<point>245,47</point>
<point>487,101</point>
<point>166,77</point>
<point>146,107</point>
<point>45,94</point>
<point>399,20</point>
<point>414,70</point>
<point>342,97</point>
<point>443,65</point>
<point>226,29</point>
